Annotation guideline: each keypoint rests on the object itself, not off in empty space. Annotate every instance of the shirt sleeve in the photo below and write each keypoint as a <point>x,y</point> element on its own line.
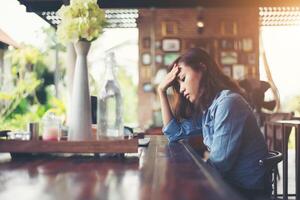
<point>175,131</point>
<point>230,118</point>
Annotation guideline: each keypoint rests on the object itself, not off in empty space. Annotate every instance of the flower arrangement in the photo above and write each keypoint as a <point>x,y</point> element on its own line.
<point>81,20</point>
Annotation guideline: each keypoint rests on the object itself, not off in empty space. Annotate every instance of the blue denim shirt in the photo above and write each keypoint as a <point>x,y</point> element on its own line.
<point>231,134</point>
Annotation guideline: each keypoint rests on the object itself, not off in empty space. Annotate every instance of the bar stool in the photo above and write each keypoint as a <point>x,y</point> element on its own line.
<point>271,164</point>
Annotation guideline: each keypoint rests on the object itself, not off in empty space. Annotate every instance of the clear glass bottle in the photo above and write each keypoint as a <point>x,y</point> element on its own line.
<point>109,108</point>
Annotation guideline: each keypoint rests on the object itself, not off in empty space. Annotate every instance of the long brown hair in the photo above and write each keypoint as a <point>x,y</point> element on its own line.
<point>213,81</point>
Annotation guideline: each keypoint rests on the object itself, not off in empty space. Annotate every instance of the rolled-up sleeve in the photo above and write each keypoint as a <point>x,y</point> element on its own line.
<point>230,117</point>
<point>175,131</point>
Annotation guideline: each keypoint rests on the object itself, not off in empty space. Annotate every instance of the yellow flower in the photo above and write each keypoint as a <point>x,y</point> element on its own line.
<point>82,19</point>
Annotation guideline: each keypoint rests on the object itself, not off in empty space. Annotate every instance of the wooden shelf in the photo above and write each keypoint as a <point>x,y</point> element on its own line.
<point>99,146</point>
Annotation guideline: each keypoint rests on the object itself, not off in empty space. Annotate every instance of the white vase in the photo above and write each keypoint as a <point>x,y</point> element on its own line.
<point>80,122</point>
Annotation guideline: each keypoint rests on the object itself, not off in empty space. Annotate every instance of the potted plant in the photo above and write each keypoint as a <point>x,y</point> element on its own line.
<point>82,22</point>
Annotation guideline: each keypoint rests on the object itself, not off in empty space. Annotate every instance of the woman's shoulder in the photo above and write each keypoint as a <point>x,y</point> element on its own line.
<point>229,98</point>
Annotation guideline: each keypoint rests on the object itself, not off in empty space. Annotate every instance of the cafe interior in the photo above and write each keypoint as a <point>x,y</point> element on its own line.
<point>143,164</point>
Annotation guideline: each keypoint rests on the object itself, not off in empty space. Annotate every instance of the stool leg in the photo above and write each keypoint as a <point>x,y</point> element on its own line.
<point>285,163</point>
<point>275,183</point>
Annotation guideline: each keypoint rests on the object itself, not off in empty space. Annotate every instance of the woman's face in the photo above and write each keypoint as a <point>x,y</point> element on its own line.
<point>189,81</point>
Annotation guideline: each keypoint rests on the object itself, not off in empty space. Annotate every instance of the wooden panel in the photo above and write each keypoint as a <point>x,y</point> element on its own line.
<point>101,146</point>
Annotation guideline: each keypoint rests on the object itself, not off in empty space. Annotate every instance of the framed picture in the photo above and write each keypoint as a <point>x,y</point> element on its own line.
<point>229,57</point>
<point>247,44</point>
<point>146,59</point>
<point>169,28</point>
<point>227,70</point>
<point>251,59</point>
<point>147,87</point>
<point>227,44</point>
<point>146,42</point>
<point>169,58</point>
<point>158,59</point>
<point>171,45</point>
<point>238,72</point>
<point>237,45</point>
<point>157,44</point>
<point>229,27</point>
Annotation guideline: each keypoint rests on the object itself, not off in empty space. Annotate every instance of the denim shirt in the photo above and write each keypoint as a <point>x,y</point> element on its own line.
<point>232,136</point>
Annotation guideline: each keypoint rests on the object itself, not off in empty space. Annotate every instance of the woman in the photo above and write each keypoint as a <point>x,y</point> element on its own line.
<point>209,102</point>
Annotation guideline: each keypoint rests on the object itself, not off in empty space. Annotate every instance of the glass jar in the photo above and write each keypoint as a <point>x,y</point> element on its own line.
<point>109,105</point>
<point>51,125</point>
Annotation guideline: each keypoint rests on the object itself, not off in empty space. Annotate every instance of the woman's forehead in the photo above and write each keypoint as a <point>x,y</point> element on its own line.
<point>182,65</point>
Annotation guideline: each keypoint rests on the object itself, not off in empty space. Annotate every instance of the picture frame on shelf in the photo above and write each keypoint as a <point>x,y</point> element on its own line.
<point>169,28</point>
<point>157,44</point>
<point>171,45</point>
<point>148,87</point>
<point>229,27</point>
<point>227,70</point>
<point>158,59</point>
<point>146,58</point>
<point>146,43</point>
<point>251,58</point>
<point>238,72</point>
<point>227,44</point>
<point>247,44</point>
<point>169,58</point>
<point>228,57</point>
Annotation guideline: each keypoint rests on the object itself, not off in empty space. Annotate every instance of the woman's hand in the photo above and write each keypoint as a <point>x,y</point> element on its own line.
<point>169,79</point>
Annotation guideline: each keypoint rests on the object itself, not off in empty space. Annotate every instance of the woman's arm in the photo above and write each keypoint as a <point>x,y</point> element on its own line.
<point>172,129</point>
<point>167,114</point>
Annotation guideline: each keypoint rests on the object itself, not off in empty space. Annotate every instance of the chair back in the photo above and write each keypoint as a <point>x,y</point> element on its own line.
<point>272,160</point>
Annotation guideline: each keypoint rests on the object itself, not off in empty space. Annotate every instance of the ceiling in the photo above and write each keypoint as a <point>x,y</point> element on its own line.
<point>124,13</point>
<point>54,5</point>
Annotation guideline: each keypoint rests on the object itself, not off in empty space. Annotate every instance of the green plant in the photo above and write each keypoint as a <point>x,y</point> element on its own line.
<point>81,20</point>
<point>12,99</point>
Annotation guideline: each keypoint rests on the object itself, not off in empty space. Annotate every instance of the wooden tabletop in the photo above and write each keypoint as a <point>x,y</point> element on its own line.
<point>159,171</point>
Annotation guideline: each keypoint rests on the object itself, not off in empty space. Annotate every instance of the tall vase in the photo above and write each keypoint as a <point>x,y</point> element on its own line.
<point>80,122</point>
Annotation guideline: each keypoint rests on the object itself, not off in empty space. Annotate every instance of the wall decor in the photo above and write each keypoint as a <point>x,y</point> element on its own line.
<point>229,27</point>
<point>238,72</point>
<point>147,87</point>
<point>146,59</point>
<point>171,45</point>
<point>227,44</point>
<point>146,42</point>
<point>227,70</point>
<point>157,44</point>
<point>169,28</point>
<point>238,45</point>
<point>228,57</point>
<point>251,59</point>
<point>169,58</point>
<point>158,59</point>
<point>247,44</point>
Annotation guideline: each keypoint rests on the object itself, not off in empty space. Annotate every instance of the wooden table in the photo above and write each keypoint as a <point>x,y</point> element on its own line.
<point>159,171</point>
<point>284,125</point>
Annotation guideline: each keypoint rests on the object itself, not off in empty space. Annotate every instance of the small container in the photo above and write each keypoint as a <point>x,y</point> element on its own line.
<point>33,129</point>
<point>51,127</point>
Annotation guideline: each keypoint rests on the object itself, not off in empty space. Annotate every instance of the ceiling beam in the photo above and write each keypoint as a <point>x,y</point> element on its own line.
<point>54,5</point>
